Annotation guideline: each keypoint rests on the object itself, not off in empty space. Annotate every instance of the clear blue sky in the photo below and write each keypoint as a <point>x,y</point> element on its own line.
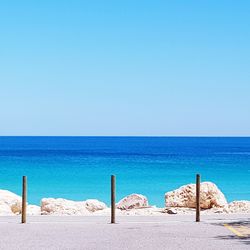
<point>124,67</point>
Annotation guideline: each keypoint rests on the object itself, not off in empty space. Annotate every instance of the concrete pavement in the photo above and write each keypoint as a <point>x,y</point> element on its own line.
<point>130,232</point>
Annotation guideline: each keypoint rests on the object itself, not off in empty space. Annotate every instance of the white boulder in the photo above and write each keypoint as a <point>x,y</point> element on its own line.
<point>13,201</point>
<point>5,209</point>
<point>63,207</point>
<point>239,207</point>
<point>33,210</point>
<point>185,196</point>
<point>132,201</point>
<point>94,205</point>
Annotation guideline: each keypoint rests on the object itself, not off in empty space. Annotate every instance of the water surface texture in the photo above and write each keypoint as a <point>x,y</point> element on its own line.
<point>80,167</point>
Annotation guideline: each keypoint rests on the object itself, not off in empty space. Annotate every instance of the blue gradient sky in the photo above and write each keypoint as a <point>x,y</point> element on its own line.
<point>125,67</point>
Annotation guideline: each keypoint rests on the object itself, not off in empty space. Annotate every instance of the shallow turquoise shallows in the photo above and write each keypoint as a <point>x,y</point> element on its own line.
<point>79,168</point>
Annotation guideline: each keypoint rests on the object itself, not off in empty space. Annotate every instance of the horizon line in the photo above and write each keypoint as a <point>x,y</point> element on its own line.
<point>212,136</point>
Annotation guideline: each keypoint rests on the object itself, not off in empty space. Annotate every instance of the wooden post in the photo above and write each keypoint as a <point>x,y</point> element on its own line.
<point>112,199</point>
<point>198,185</point>
<point>24,199</point>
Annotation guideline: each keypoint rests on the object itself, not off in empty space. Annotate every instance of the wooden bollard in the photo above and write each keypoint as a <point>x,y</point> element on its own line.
<point>24,199</point>
<point>112,199</point>
<point>198,187</point>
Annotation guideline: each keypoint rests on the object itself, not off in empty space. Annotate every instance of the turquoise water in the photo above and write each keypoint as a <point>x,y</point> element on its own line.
<point>80,167</point>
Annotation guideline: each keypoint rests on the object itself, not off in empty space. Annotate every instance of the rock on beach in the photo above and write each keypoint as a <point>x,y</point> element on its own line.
<point>239,207</point>
<point>185,196</point>
<point>68,207</point>
<point>133,201</point>
<point>10,203</point>
<point>94,205</point>
<point>63,207</point>
<point>179,201</point>
<point>33,210</point>
<point>5,209</point>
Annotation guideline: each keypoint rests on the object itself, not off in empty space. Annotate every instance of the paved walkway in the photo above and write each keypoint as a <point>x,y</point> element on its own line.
<point>131,232</point>
<point>241,228</point>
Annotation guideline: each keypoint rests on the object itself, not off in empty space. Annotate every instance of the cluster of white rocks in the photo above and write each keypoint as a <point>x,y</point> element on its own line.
<point>212,200</point>
<point>11,204</point>
<point>179,201</point>
<point>67,207</point>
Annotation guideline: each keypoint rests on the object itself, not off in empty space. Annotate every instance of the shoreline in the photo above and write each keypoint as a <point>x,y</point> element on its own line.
<point>80,168</point>
<point>181,201</point>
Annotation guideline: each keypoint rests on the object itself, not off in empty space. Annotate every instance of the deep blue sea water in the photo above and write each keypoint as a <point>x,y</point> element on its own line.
<point>80,167</point>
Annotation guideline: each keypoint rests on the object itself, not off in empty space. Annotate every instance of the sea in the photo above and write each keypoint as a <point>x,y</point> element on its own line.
<point>79,168</point>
